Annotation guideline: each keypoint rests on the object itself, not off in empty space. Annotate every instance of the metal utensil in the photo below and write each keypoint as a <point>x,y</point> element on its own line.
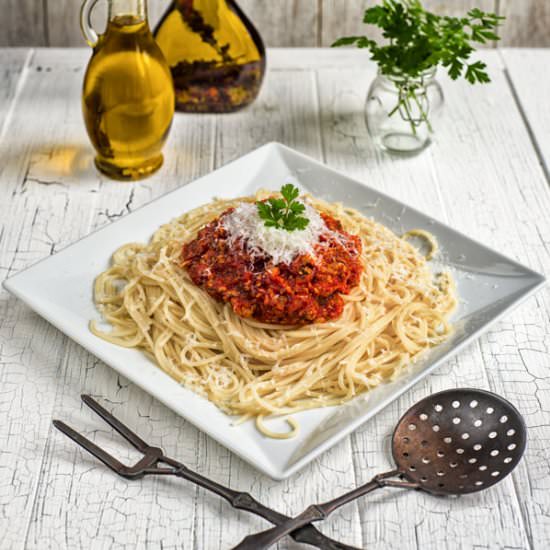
<point>154,456</point>
<point>451,443</point>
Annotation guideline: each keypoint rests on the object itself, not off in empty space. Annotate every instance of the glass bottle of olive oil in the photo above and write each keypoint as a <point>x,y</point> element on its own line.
<point>128,96</point>
<point>216,56</point>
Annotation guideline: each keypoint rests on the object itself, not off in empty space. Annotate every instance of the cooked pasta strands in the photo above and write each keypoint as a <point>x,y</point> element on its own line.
<point>253,369</point>
<point>428,237</point>
<point>277,435</point>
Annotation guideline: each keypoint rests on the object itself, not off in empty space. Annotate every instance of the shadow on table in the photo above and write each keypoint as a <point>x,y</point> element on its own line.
<point>51,163</point>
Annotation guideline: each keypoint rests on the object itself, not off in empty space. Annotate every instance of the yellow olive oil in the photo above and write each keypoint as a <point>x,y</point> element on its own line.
<point>216,56</point>
<point>128,99</point>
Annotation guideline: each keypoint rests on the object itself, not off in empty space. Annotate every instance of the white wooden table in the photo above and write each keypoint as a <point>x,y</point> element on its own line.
<point>487,175</point>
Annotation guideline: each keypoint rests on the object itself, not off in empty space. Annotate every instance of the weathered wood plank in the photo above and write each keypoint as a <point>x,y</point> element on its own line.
<point>56,196</point>
<point>527,23</point>
<point>63,20</point>
<point>282,23</point>
<point>69,527</point>
<point>23,23</point>
<point>32,224</point>
<point>420,521</point>
<point>481,176</point>
<point>312,58</point>
<point>523,67</point>
<point>288,23</point>
<point>13,64</point>
<point>500,190</point>
<point>345,17</point>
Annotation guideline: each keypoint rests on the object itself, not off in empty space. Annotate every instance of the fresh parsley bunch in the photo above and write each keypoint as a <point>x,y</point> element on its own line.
<point>284,213</point>
<point>418,40</point>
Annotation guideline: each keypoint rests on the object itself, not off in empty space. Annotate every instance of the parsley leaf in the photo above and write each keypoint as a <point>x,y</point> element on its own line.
<point>284,213</point>
<point>417,40</point>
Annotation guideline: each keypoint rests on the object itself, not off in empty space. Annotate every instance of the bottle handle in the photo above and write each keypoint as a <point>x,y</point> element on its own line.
<point>86,22</point>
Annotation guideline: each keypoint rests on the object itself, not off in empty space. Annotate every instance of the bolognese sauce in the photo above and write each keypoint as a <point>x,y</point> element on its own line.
<point>305,290</point>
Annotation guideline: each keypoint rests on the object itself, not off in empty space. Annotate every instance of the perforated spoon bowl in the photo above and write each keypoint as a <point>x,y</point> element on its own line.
<point>459,441</point>
<point>451,443</point>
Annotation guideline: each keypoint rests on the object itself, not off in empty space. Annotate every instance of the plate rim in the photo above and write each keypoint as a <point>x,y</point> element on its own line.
<point>539,281</point>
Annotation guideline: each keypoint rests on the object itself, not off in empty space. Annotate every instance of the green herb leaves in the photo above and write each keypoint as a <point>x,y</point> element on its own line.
<point>417,41</point>
<point>284,213</point>
<point>420,40</point>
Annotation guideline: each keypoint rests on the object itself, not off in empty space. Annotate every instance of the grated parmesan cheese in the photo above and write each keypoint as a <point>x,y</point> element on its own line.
<point>282,245</point>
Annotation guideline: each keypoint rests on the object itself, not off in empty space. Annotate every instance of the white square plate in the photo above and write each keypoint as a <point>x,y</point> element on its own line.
<point>60,289</point>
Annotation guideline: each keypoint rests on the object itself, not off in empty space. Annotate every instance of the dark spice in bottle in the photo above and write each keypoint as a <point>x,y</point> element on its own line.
<point>227,74</point>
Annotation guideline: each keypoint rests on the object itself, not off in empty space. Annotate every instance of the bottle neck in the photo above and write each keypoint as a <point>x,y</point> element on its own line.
<point>137,9</point>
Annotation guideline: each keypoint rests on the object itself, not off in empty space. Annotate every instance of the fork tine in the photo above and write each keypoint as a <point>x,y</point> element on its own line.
<point>92,448</point>
<point>123,430</point>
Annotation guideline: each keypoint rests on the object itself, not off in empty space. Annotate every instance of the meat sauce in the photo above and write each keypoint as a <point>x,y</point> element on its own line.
<point>308,290</point>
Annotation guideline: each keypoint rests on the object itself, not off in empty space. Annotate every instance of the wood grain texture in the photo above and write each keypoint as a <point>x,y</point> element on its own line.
<point>523,67</point>
<point>345,17</point>
<point>288,23</point>
<point>428,523</point>
<point>13,65</point>
<point>63,20</point>
<point>500,165</point>
<point>23,23</point>
<point>56,195</point>
<point>527,23</point>
<point>281,23</point>
<point>482,176</point>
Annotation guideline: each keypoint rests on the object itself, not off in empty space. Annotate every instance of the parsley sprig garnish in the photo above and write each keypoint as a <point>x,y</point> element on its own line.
<point>284,213</point>
<point>418,40</point>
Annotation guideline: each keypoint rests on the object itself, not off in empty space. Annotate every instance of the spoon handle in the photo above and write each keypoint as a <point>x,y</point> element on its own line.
<point>307,534</point>
<point>315,512</point>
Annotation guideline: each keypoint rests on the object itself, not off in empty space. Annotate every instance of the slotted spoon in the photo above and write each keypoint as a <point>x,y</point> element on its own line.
<point>451,443</point>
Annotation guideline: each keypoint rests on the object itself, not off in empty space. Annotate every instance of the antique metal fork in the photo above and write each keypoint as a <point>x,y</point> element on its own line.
<point>151,462</point>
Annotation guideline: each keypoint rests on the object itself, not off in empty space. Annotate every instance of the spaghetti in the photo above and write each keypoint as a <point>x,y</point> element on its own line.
<point>428,237</point>
<point>250,368</point>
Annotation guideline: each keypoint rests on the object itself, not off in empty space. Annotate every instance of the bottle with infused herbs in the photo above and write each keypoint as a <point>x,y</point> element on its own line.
<point>216,56</point>
<point>127,96</point>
